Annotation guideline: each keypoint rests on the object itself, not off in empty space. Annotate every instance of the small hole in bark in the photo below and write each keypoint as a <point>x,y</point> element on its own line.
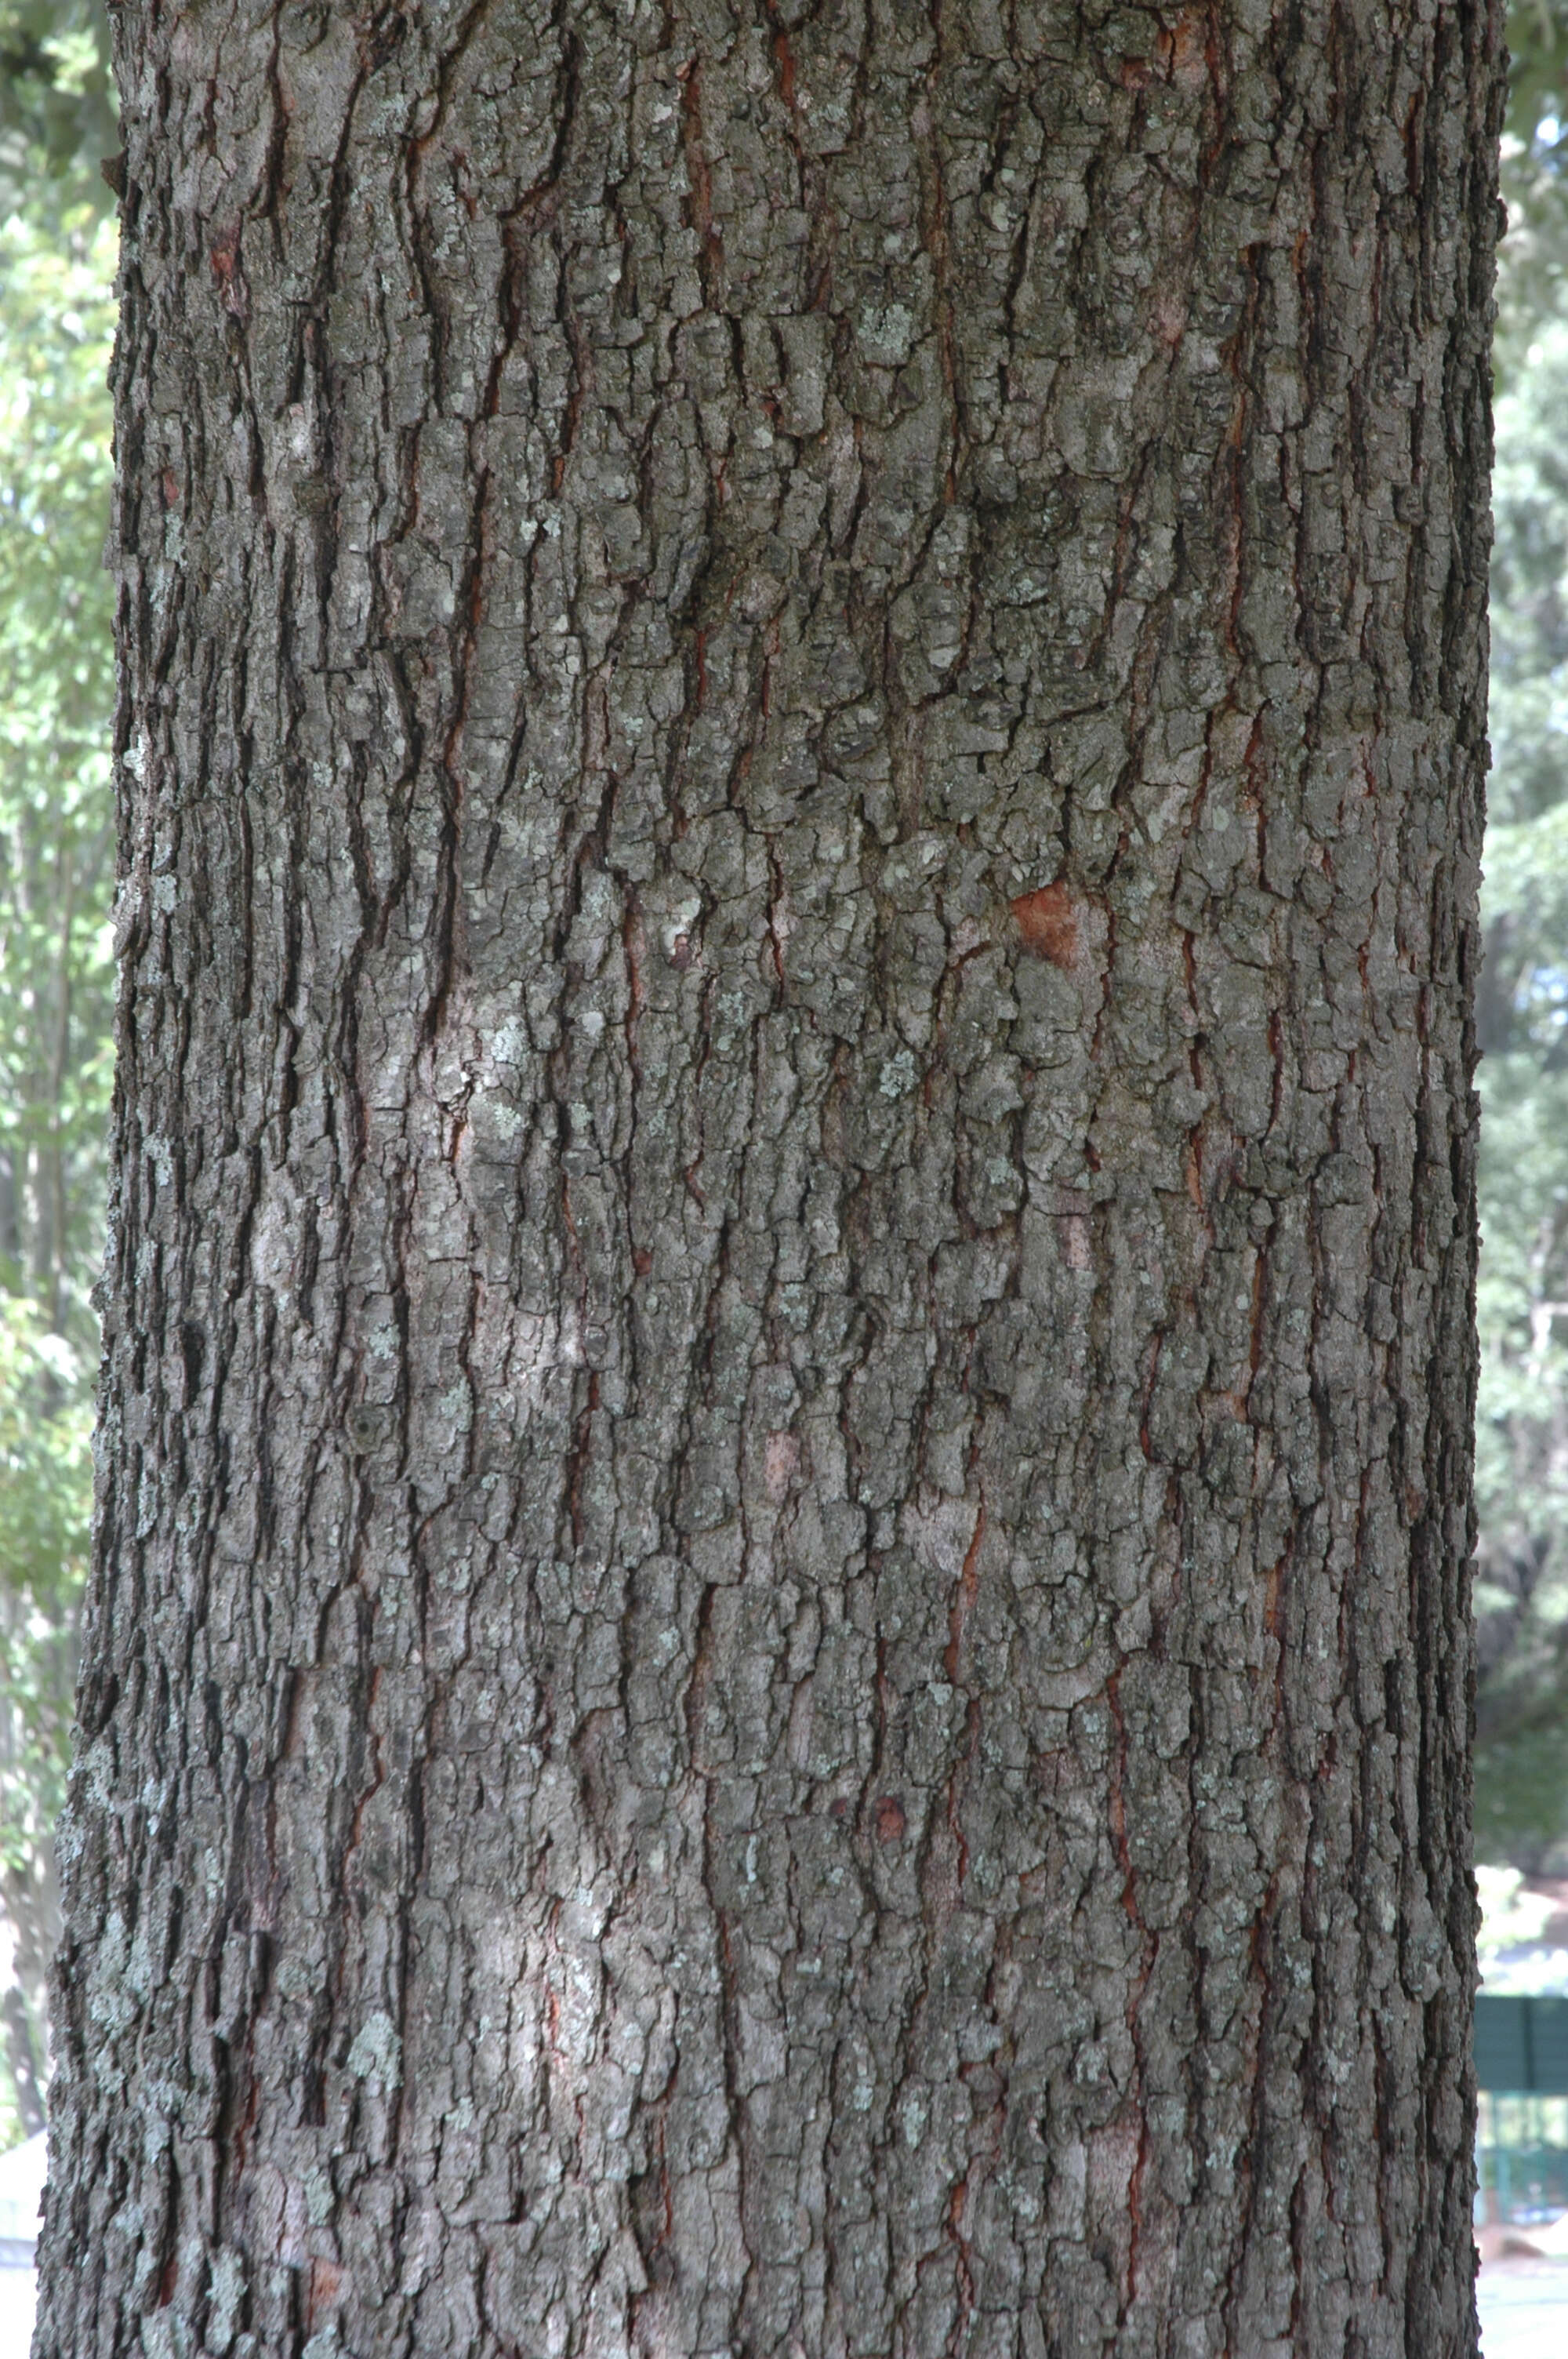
<point>367,1425</point>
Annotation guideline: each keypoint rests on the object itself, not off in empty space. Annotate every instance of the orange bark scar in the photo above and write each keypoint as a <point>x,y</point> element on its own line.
<point>780,1462</point>
<point>324,2289</point>
<point>1189,49</point>
<point>1049,924</point>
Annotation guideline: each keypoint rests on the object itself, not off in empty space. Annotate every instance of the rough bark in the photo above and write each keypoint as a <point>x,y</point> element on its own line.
<point>779,1658</point>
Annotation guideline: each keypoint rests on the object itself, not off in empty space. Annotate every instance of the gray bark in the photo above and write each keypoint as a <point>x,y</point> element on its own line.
<point>780,1655</point>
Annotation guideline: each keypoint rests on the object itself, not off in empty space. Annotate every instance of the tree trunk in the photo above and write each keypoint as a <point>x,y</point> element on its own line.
<point>779,1658</point>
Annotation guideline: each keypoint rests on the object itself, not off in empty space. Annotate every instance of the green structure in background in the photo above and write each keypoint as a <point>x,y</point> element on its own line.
<point>1521,2058</point>
<point>1521,2046</point>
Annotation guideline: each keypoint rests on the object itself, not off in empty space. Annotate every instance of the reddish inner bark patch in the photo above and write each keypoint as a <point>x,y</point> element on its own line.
<point>787,69</point>
<point>1048,923</point>
<point>781,1464</point>
<point>1188,48</point>
<point>325,2290</point>
<point>891,1820</point>
<point>226,271</point>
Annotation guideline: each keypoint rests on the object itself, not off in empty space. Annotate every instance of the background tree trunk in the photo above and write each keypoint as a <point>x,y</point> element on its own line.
<point>779,1661</point>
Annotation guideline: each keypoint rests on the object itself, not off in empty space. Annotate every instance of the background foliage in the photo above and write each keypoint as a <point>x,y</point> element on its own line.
<point>57,262</point>
<point>1522,1595</point>
<point>57,116</point>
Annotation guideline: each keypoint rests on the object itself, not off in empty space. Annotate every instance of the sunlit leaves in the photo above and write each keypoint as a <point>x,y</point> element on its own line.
<point>1533,286</point>
<point>45,1500</point>
<point>56,696</point>
<point>1521,1592</point>
<point>57,108</point>
<point>56,261</point>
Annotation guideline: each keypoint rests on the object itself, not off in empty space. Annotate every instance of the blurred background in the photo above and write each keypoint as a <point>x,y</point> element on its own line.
<point>57,244</point>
